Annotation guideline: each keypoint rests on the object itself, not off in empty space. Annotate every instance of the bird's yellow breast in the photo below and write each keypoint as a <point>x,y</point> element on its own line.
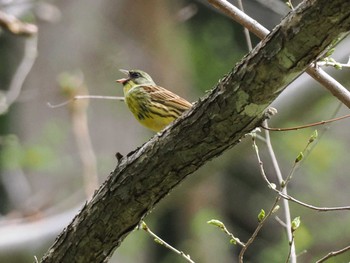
<point>153,116</point>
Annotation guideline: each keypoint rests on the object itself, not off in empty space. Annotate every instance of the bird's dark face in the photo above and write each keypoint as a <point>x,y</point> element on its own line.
<point>136,77</point>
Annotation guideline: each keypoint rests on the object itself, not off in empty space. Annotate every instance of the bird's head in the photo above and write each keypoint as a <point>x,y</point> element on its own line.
<point>135,77</point>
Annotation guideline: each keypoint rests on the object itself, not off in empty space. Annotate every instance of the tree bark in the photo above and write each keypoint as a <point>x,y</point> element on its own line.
<point>215,123</point>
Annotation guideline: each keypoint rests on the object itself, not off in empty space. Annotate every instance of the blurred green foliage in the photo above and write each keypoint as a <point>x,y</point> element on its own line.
<point>39,155</point>
<point>215,44</point>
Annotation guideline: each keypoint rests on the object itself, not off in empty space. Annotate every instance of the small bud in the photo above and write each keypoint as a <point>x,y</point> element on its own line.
<point>289,5</point>
<point>332,60</point>
<point>275,209</point>
<point>299,157</point>
<point>261,215</point>
<point>144,226</point>
<point>217,223</point>
<point>313,136</point>
<point>295,223</point>
<point>272,186</point>
<point>283,184</point>
<point>337,65</point>
<point>158,241</point>
<point>329,52</point>
<point>233,241</point>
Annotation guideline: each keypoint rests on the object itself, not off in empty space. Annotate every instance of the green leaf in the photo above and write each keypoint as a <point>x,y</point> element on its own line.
<point>261,215</point>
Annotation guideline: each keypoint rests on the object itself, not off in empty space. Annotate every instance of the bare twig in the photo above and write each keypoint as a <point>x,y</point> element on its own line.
<point>290,5</point>
<point>257,230</point>
<point>30,54</point>
<point>323,131</point>
<point>72,84</point>
<point>246,31</point>
<point>333,64</point>
<point>15,26</point>
<point>316,208</point>
<point>222,226</point>
<point>165,244</point>
<point>86,152</point>
<point>290,252</point>
<point>330,83</point>
<point>240,17</point>
<point>333,254</point>
<point>279,220</point>
<point>271,211</point>
<point>260,31</point>
<point>288,197</point>
<point>306,125</point>
<point>286,208</point>
<point>79,97</point>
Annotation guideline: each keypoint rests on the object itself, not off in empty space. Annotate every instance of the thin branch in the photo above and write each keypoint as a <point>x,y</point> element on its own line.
<point>261,32</point>
<point>72,84</point>
<point>317,208</point>
<point>240,17</point>
<point>323,131</point>
<point>257,230</point>
<point>280,195</point>
<point>80,97</point>
<point>29,57</point>
<point>290,198</point>
<point>289,4</point>
<point>279,220</point>
<point>222,226</point>
<point>295,128</point>
<point>86,151</point>
<point>271,211</point>
<point>333,254</point>
<point>11,24</point>
<point>246,31</point>
<point>288,222</point>
<point>160,241</point>
<point>290,252</point>
<point>332,64</point>
<point>331,84</point>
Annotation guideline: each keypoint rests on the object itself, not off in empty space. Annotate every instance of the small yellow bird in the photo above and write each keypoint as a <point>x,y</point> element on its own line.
<point>153,106</point>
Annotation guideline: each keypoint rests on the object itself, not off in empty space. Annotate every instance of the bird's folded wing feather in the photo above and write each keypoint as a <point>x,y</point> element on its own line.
<point>168,98</point>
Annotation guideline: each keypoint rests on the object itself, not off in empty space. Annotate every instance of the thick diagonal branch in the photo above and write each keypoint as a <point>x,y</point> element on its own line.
<point>214,124</point>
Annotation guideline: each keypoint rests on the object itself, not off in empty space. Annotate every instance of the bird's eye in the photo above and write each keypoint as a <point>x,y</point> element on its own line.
<point>135,75</point>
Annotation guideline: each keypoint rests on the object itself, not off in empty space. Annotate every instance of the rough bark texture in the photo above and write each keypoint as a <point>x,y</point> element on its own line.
<point>215,123</point>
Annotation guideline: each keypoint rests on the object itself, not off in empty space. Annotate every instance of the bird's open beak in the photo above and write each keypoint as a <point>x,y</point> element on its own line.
<point>123,80</point>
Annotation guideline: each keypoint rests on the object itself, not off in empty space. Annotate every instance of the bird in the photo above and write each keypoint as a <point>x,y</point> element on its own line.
<point>152,106</point>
